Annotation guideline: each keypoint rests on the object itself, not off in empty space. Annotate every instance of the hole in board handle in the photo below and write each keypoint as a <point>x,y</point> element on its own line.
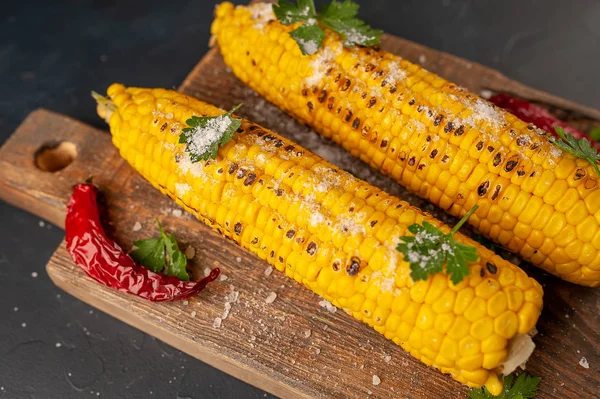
<point>55,156</point>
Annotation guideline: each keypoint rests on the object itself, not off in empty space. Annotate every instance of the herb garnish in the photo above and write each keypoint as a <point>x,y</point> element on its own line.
<point>340,17</point>
<point>206,133</point>
<point>581,148</point>
<point>429,249</point>
<point>524,387</point>
<point>161,255</point>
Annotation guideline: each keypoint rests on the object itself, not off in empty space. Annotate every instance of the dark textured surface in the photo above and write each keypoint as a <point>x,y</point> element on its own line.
<point>53,346</point>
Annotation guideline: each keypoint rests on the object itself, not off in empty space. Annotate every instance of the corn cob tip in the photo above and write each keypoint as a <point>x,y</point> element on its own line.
<point>105,107</point>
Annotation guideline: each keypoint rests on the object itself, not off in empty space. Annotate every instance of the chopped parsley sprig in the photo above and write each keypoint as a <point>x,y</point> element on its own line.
<point>161,255</point>
<point>581,148</point>
<point>205,134</point>
<point>429,250</point>
<point>337,16</point>
<point>524,387</point>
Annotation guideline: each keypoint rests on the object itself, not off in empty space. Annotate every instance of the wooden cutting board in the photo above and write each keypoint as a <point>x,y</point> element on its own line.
<point>292,347</point>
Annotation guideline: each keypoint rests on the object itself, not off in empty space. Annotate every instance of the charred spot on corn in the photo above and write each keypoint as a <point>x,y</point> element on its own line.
<point>311,248</point>
<point>483,188</point>
<point>237,228</point>
<point>353,266</point>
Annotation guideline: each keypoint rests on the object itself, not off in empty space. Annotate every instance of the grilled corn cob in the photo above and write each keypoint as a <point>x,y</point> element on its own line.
<point>433,137</point>
<point>331,232</point>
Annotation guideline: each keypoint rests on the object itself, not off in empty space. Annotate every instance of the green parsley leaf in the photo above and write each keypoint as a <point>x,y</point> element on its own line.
<point>595,133</point>
<point>429,249</point>
<point>288,13</point>
<point>337,16</point>
<point>150,253</point>
<point>206,133</point>
<point>341,18</point>
<point>581,148</point>
<point>345,10</point>
<point>309,38</point>
<point>524,387</point>
<point>161,255</point>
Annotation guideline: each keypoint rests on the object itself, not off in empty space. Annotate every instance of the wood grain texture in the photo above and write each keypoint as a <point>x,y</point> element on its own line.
<point>292,347</point>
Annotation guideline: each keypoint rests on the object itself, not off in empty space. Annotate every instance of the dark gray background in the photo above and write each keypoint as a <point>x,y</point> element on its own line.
<point>52,345</point>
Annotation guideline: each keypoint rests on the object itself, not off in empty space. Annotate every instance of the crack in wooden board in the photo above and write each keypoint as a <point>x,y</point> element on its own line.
<point>266,345</point>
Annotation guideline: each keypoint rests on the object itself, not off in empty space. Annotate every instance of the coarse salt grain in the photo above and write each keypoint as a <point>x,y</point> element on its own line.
<point>271,297</point>
<point>58,344</point>
<point>206,271</point>
<point>307,333</point>
<point>376,380</point>
<point>34,274</point>
<point>190,252</point>
<point>238,259</point>
<point>186,302</point>
<point>584,363</point>
<point>268,271</point>
<point>42,223</point>
<point>217,322</point>
<point>387,358</point>
<point>223,277</point>
<point>193,314</point>
<point>328,305</point>
<point>177,212</point>
<point>137,226</point>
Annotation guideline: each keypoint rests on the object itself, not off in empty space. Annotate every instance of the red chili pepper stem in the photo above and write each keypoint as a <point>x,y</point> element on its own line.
<point>104,261</point>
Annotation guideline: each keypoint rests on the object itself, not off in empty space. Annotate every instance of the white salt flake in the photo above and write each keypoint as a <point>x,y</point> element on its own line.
<point>34,274</point>
<point>308,46</point>
<point>584,363</point>
<point>307,333</point>
<point>193,314</point>
<point>271,297</point>
<point>58,344</point>
<point>137,226</point>
<point>387,358</point>
<point>262,13</point>
<point>23,325</point>
<point>186,302</point>
<point>238,259</point>
<point>16,309</point>
<point>190,252</point>
<point>206,271</point>
<point>376,380</point>
<point>223,277</point>
<point>203,138</point>
<point>486,93</point>
<point>328,305</point>
<point>182,189</point>
<point>42,223</point>
<point>177,213</point>
<point>268,271</point>
<point>317,351</point>
<point>217,322</point>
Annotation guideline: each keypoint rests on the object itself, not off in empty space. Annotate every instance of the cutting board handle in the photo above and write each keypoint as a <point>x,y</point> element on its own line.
<point>46,156</point>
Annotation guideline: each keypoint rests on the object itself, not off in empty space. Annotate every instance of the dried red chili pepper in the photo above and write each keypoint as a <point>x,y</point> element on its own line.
<point>104,261</point>
<point>537,115</point>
